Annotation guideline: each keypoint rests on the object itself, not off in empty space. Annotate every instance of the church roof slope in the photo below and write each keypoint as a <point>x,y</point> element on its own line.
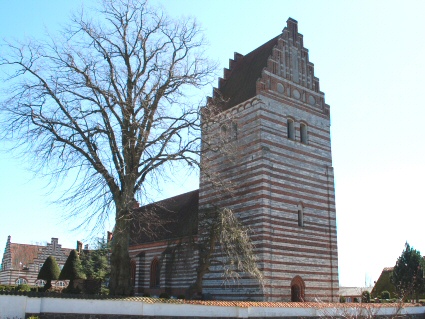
<point>239,83</point>
<point>178,214</point>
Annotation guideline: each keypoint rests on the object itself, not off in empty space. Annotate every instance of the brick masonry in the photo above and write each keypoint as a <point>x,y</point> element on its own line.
<point>274,176</point>
<point>276,158</point>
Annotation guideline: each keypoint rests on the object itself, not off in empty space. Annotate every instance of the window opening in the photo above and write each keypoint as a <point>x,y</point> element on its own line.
<point>290,127</point>
<point>300,211</point>
<point>155,275</point>
<point>133,273</point>
<point>300,218</point>
<point>40,283</point>
<point>21,281</point>
<point>303,133</point>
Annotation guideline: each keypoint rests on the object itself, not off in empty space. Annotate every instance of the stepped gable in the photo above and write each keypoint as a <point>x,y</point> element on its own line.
<point>180,214</point>
<point>239,81</point>
<point>280,67</point>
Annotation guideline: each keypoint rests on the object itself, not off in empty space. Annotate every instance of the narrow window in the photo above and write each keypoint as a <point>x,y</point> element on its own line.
<point>234,131</point>
<point>290,127</point>
<point>300,218</point>
<point>154,283</point>
<point>133,273</point>
<point>300,211</point>
<point>303,133</point>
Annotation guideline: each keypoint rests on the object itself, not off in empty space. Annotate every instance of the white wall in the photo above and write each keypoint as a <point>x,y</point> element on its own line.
<point>17,306</point>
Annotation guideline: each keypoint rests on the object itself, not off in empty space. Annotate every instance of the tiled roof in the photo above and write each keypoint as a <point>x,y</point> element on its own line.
<point>246,304</point>
<point>23,255</point>
<point>180,214</point>
<point>353,291</point>
<point>239,82</point>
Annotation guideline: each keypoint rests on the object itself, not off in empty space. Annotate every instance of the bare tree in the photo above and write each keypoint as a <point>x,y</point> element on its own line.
<point>107,103</point>
<point>224,242</point>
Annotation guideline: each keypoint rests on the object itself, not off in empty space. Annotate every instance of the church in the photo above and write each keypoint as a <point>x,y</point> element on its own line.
<point>275,119</point>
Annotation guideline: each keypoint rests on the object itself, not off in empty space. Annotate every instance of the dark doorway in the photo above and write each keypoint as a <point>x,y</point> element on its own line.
<point>297,289</point>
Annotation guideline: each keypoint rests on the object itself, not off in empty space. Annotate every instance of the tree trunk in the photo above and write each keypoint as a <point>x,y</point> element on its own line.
<point>120,260</point>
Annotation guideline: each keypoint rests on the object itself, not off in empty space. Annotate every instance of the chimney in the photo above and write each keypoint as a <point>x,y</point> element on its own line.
<point>109,236</point>
<point>86,247</point>
<point>79,246</point>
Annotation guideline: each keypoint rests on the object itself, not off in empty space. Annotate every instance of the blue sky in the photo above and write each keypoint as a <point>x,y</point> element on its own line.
<point>369,57</point>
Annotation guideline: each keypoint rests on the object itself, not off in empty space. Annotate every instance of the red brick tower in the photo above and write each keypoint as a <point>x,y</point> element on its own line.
<point>277,122</point>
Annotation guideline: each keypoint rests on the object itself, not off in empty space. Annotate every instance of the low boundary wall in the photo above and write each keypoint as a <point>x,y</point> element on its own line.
<point>64,308</point>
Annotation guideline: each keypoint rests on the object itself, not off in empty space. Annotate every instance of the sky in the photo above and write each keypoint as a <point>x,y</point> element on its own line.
<point>370,59</point>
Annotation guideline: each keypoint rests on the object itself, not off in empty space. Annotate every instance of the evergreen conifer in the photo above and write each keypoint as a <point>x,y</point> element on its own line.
<point>72,270</point>
<point>49,271</point>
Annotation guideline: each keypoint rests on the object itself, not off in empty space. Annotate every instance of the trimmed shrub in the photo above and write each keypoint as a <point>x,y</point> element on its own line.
<point>342,299</point>
<point>49,271</point>
<point>71,271</point>
<point>385,294</point>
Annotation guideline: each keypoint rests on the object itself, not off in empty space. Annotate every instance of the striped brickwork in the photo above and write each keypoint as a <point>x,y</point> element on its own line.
<point>177,262</point>
<point>275,179</point>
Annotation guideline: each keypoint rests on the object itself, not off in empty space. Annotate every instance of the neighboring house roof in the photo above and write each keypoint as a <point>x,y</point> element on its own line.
<point>28,257</point>
<point>353,291</point>
<point>180,216</point>
<point>239,82</point>
<point>23,254</point>
<point>384,282</point>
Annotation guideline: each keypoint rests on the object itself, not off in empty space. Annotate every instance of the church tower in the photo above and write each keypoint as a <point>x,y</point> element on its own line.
<point>275,119</point>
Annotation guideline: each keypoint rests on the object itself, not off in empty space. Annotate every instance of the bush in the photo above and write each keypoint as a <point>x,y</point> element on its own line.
<point>104,291</point>
<point>49,271</point>
<point>385,294</point>
<point>72,270</point>
<point>164,295</point>
<point>342,299</point>
<point>181,297</point>
<point>23,287</point>
<point>146,294</point>
<point>365,296</point>
<point>5,288</point>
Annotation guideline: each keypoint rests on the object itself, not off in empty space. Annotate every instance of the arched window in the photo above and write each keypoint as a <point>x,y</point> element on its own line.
<point>297,289</point>
<point>40,283</point>
<point>155,275</point>
<point>290,128</point>
<point>303,133</point>
<point>133,273</point>
<point>21,281</point>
